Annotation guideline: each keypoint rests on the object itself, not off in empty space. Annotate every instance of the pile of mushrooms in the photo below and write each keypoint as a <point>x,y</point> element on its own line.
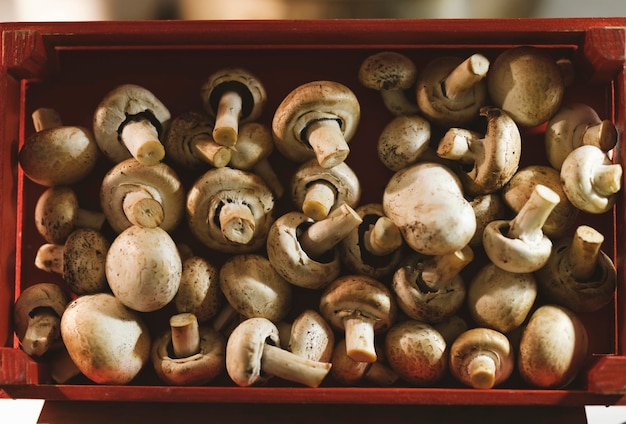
<point>443,275</point>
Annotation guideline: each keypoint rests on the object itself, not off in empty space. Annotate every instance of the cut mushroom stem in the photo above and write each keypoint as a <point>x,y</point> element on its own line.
<point>237,222</point>
<point>226,319</point>
<point>383,237</point>
<point>141,139</point>
<point>43,329</point>
<point>528,223</point>
<point>291,367</point>
<point>227,118</point>
<point>319,199</point>
<point>142,209</point>
<point>45,118</point>
<point>360,337</point>
<point>441,268</point>
<point>323,235</point>
<point>466,75</point>
<point>185,335</point>
<point>602,135</point>
<point>607,179</point>
<point>584,252</point>
<point>210,152</point>
<point>49,258</point>
<point>328,142</point>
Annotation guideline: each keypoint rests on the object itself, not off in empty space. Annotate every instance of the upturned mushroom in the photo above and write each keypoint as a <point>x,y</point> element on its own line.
<point>394,75</point>
<point>108,342</point>
<point>37,316</point>
<point>426,202</point>
<point>451,90</point>
<point>188,354</point>
<point>57,154</point>
<point>230,210</point>
<point>143,268</point>
<point>253,357</point>
<point>362,307</point>
<point>317,190</point>
<point>403,141</point>
<point>316,120</point>
<point>199,290</point>
<point>519,244</point>
<point>481,358</point>
<point>485,163</point>
<point>590,179</point>
<point>348,372</point>
<point>148,196</point>
<point>311,336</point>
<point>579,275</point>
<point>232,96</point>
<point>129,122</point>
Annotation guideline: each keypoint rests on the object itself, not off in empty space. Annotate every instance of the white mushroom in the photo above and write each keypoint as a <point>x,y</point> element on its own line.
<point>311,336</point>
<point>199,291</point>
<point>487,207</point>
<point>402,141</point>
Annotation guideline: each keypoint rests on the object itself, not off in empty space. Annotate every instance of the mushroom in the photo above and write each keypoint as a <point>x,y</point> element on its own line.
<point>58,213</point>
<point>109,343</point>
<point>311,336</point>
<point>230,210</point>
<point>430,289</point>
<point>574,125</point>
<point>57,154</point>
<point>481,358</point>
<point>519,244</point>
<point>253,357</point>
<point>80,260</point>
<point>199,291</point>
<point>303,251</point>
<point>485,163</point>
<point>451,90</point>
<point>346,371</point>
<point>189,144</point>
<point>500,299</point>
<point>187,354</point>
<point>519,188</point>
<point>317,190</point>
<point>416,352</point>
<point>487,207</point>
<point>402,141</point>
<point>590,180</point>
<point>37,314</point>
<point>233,96</point>
<point>393,75</point>
<point>316,120</point>
<point>553,347</point>
<point>147,196</point>
<point>361,306</point>
<point>527,83</point>
<point>578,274</point>
<point>128,123</point>
<point>451,328</point>
<point>426,202</point>
<point>143,268</point>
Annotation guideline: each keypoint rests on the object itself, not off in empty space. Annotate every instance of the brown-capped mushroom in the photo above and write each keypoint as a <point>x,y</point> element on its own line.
<point>129,122</point>
<point>230,210</point>
<point>233,96</point>
<point>253,356</point>
<point>578,274</point>
<point>57,154</point>
<point>199,290</point>
<point>188,354</point>
<point>316,120</point>
<point>403,141</point>
<point>361,306</point>
<point>37,315</point>
<point>451,90</point>
<point>347,372</point>
<point>147,196</point>
<point>311,336</point>
<point>143,268</point>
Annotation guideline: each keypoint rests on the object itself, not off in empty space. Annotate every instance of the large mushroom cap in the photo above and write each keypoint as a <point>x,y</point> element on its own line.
<point>84,258</point>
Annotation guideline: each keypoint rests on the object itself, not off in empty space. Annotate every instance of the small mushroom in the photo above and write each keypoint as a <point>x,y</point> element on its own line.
<point>253,357</point>
<point>590,179</point>
<point>486,163</point>
<point>575,125</point>
<point>188,354</point>
<point>317,190</point>
<point>451,90</point>
<point>37,315</point>
<point>230,210</point>
<point>146,196</point>
<point>346,371</point>
<point>128,122</point>
<point>361,306</point>
<point>57,154</point>
<point>233,96</point>
<point>393,75</point>
<point>578,274</point>
<point>143,268</point>
<point>553,347</point>
<point>199,291</point>
<point>109,343</point>
<point>80,260</point>
<point>402,141</point>
<point>519,244</point>
<point>311,336</point>
<point>316,120</point>
<point>58,213</point>
<point>487,207</point>
<point>481,358</point>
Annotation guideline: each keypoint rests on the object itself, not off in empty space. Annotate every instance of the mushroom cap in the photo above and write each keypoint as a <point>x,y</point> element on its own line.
<point>254,288</point>
<point>244,350</point>
<point>84,258</point>
<point>402,141</point>
<point>254,144</point>
<point>312,336</point>
<point>487,207</point>
<point>199,291</point>
<point>345,370</point>
<point>56,213</point>
<point>119,106</point>
<point>178,138</point>
<point>310,102</point>
<point>39,295</point>
<point>387,70</point>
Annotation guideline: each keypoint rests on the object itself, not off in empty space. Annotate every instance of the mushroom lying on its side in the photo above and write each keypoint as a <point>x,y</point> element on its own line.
<point>199,291</point>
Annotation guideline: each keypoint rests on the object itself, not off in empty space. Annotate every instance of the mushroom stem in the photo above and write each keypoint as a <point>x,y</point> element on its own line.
<point>360,337</point>
<point>291,367</point>
<point>443,268</point>
<point>264,169</point>
<point>459,144</point>
<point>141,139</point>
<point>43,329</point>
<point>383,237</point>
<point>209,151</point>
<point>602,135</point>
<point>481,370</point>
<point>50,258</point>
<point>328,143</point>
<point>227,119</point>
<point>89,219</point>
<point>607,179</point>
<point>142,209</point>
<point>466,75</point>
<point>45,118</point>
<point>584,253</point>
<point>237,222</point>
<point>323,235</point>
<point>527,224</point>
<point>381,375</point>
<point>223,321</point>
<point>185,335</point>
<point>319,199</point>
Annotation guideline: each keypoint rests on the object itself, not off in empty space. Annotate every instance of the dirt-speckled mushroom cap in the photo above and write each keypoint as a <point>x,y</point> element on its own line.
<point>199,291</point>
<point>311,336</point>
<point>84,258</point>
<point>402,141</point>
